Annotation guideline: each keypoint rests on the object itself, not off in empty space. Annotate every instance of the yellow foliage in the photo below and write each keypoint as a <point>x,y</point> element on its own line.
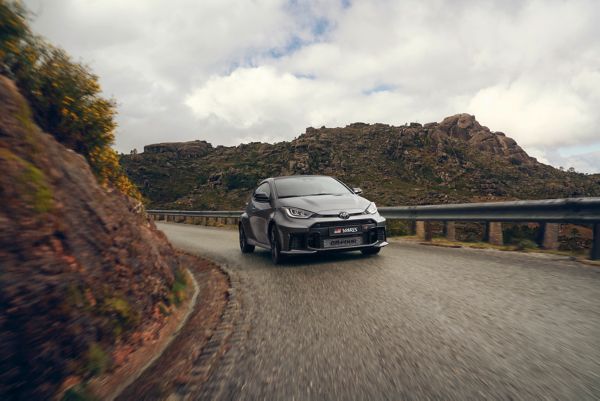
<point>65,96</point>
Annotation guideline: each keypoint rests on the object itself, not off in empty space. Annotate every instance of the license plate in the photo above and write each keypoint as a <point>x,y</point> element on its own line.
<point>342,242</point>
<point>344,230</point>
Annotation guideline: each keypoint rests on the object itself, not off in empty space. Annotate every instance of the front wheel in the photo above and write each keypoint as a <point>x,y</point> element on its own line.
<point>245,247</point>
<point>370,251</point>
<point>276,255</point>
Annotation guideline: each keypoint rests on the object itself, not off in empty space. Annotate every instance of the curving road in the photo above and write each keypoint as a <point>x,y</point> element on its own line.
<point>415,322</point>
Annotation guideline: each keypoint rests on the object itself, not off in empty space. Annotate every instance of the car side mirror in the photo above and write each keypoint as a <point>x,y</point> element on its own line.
<point>261,197</point>
<point>357,191</point>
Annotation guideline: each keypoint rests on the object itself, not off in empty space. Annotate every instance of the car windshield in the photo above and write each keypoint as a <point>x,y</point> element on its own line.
<point>309,186</point>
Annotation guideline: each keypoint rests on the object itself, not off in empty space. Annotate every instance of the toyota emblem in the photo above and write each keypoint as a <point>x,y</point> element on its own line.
<point>344,215</point>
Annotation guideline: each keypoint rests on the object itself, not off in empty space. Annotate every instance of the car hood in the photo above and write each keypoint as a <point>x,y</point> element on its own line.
<point>328,204</point>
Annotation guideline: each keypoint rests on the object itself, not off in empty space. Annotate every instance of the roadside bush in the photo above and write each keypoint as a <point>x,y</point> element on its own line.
<point>97,360</point>
<point>515,233</point>
<point>526,244</point>
<point>398,227</point>
<point>64,95</point>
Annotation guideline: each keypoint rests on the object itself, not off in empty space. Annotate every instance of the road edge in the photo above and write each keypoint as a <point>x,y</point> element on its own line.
<point>216,361</point>
<point>191,305</point>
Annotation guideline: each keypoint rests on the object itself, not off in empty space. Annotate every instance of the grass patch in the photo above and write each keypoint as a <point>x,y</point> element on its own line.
<point>31,183</point>
<point>97,360</point>
<point>78,393</point>
<point>526,244</point>
<point>177,295</point>
<point>124,317</point>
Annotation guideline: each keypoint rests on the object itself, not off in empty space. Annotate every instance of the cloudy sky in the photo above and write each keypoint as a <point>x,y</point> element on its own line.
<point>231,71</point>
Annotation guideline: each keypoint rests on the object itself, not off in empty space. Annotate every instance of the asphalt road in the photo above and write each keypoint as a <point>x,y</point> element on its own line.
<point>414,322</point>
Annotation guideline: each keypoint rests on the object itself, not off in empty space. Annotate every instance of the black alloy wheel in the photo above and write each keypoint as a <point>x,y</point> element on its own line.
<point>245,247</point>
<point>276,255</point>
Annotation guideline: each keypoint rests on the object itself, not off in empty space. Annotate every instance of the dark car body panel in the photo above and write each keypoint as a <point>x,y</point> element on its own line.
<point>302,236</point>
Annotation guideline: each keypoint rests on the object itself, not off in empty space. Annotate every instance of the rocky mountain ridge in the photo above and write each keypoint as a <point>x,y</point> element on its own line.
<point>455,160</point>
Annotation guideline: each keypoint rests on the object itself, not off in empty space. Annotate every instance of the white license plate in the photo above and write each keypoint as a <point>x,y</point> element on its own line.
<point>344,230</point>
<point>342,242</point>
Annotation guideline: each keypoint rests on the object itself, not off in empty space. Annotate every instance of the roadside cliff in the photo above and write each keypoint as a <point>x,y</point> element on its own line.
<point>83,273</point>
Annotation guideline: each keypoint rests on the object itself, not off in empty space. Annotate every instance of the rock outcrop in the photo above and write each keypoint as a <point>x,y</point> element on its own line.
<point>456,160</point>
<point>82,270</point>
<point>181,149</point>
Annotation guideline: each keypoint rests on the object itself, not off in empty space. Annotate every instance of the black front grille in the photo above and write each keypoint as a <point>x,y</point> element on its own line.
<point>320,231</point>
<point>342,223</point>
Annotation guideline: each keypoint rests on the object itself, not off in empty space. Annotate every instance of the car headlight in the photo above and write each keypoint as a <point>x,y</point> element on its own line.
<point>297,213</point>
<point>372,209</point>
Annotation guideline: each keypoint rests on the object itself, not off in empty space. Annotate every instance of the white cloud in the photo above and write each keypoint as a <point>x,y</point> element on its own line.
<point>537,115</point>
<point>230,71</point>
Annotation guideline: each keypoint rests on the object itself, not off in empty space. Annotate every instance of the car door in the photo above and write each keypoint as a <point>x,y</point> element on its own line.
<point>260,212</point>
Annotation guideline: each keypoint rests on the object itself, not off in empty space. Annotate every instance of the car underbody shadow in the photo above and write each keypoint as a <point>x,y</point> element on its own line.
<point>299,261</point>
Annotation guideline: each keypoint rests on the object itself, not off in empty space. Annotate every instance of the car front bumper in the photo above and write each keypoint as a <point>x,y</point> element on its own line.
<point>306,236</point>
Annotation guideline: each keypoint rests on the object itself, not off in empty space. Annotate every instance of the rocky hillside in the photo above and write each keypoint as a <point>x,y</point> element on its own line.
<point>84,276</point>
<point>455,160</point>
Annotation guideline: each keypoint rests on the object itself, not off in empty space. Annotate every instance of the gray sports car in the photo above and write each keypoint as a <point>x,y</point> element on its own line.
<point>306,214</point>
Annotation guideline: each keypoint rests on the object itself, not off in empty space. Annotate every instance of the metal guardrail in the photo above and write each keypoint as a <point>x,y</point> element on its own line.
<point>570,210</point>
<point>198,213</point>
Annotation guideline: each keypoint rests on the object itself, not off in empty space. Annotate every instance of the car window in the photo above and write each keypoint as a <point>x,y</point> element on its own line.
<point>264,187</point>
<point>305,186</point>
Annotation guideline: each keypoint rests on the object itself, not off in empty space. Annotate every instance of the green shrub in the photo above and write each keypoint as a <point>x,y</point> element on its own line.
<point>97,360</point>
<point>65,97</point>
<point>515,233</point>
<point>78,393</point>
<point>124,318</point>
<point>178,288</point>
<point>526,244</point>
<point>572,241</point>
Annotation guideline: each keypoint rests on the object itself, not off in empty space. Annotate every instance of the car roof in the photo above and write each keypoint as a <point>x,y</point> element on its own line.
<point>296,176</point>
<point>271,179</point>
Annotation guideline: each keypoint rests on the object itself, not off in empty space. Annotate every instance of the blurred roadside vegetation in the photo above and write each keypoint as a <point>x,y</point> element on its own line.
<point>64,95</point>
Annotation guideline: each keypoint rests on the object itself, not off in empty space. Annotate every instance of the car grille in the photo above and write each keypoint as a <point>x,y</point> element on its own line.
<point>320,231</point>
<point>342,223</point>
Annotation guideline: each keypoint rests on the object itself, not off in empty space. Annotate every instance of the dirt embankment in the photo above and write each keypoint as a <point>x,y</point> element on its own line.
<point>85,277</point>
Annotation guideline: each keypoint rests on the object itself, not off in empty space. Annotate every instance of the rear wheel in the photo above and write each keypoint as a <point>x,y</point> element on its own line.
<point>276,255</point>
<point>370,251</point>
<point>245,247</point>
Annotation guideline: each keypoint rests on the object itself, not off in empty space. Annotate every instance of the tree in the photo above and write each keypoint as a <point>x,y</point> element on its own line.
<point>65,96</point>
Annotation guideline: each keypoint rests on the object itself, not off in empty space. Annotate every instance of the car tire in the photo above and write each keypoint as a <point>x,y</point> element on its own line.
<point>370,251</point>
<point>276,255</point>
<point>245,247</point>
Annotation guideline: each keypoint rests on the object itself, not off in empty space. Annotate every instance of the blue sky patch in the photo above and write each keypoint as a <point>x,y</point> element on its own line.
<point>379,88</point>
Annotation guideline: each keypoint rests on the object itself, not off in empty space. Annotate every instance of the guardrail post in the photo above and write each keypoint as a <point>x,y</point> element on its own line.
<point>424,230</point>
<point>494,233</point>
<point>450,230</point>
<point>595,254</point>
<point>420,229</point>
<point>549,235</point>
